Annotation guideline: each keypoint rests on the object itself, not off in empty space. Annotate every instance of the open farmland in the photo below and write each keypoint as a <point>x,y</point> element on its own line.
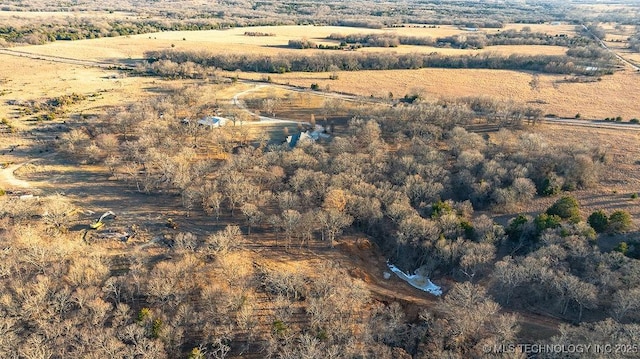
<point>234,41</point>
<point>609,96</point>
<point>612,96</point>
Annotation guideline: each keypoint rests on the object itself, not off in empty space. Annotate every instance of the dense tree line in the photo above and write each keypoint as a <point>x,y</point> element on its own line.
<point>390,195</point>
<point>470,40</point>
<point>634,42</point>
<point>162,16</point>
<point>88,28</point>
<point>321,62</point>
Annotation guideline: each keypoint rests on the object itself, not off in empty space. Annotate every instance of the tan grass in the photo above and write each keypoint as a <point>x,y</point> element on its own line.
<point>234,41</point>
<point>548,28</point>
<point>612,96</point>
<point>505,50</point>
<point>621,175</point>
<point>27,79</point>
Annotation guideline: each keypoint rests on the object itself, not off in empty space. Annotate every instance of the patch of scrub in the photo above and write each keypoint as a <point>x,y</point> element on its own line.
<point>418,281</point>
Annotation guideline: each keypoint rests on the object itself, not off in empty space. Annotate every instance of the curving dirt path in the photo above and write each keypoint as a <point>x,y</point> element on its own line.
<point>570,122</point>
<point>262,119</point>
<point>8,179</point>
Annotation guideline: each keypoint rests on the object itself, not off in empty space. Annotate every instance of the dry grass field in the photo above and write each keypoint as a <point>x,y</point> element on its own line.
<point>620,178</point>
<point>27,79</point>
<point>547,28</point>
<point>505,50</point>
<point>612,96</point>
<point>234,41</point>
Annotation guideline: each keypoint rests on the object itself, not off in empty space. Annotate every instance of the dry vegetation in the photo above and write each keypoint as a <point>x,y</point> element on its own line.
<point>227,243</point>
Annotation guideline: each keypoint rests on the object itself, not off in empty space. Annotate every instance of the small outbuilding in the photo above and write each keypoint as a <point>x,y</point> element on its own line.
<point>213,121</point>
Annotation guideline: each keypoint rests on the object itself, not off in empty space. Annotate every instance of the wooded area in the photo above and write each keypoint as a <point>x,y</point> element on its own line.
<point>225,235</point>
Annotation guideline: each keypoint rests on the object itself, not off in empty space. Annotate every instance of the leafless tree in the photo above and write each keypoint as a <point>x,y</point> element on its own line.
<point>476,256</point>
<point>58,212</point>
<point>252,214</point>
<point>333,222</point>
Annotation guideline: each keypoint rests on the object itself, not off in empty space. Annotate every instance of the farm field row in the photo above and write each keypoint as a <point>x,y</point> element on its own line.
<point>611,96</point>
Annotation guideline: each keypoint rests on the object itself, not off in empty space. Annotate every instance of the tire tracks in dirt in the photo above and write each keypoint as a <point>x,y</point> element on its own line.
<point>68,60</point>
<point>8,179</point>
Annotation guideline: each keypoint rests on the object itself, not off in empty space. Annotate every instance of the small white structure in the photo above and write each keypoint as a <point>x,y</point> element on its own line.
<point>417,281</point>
<point>307,136</point>
<point>213,121</point>
<point>302,137</point>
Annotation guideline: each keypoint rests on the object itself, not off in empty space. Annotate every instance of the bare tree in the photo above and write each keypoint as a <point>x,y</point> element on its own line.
<point>625,302</point>
<point>58,212</point>
<point>252,214</point>
<point>476,256</point>
<point>333,222</point>
<point>271,106</point>
<point>289,222</point>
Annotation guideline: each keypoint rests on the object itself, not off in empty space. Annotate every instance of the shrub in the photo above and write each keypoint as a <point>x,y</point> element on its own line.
<point>622,248</point>
<point>620,221</point>
<point>634,120</point>
<point>2,192</point>
<point>578,115</point>
<point>550,185</point>
<point>599,221</point>
<point>279,327</point>
<point>143,314</point>
<point>544,221</point>
<point>619,119</point>
<point>468,229</point>
<point>634,195</point>
<point>566,207</point>
<point>155,328</point>
<point>440,208</point>
<point>515,228</point>
<point>315,87</point>
<point>196,353</point>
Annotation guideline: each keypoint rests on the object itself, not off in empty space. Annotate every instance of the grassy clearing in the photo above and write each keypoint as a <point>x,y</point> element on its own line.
<point>619,179</point>
<point>28,79</point>
<point>234,41</point>
<point>612,96</point>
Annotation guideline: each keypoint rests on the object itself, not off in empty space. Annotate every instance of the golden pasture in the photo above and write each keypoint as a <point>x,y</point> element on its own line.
<point>612,96</point>
<point>28,79</point>
<point>234,41</point>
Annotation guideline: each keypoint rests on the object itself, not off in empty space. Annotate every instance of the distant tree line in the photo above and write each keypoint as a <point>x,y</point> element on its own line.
<point>385,61</point>
<point>634,42</point>
<point>80,29</point>
<point>258,33</point>
<point>471,40</point>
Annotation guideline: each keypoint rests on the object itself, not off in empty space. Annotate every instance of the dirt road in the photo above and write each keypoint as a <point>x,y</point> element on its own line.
<point>67,60</point>
<point>8,179</point>
<point>604,46</point>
